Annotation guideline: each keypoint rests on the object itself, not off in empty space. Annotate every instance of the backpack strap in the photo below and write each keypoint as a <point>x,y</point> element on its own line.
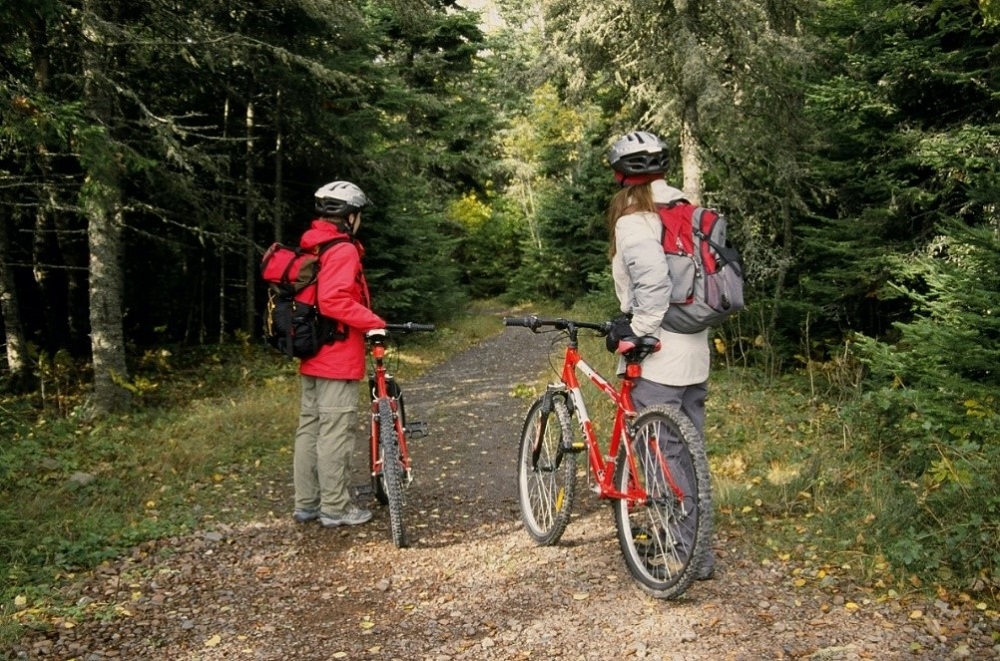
<point>696,233</point>
<point>320,249</point>
<point>724,253</point>
<point>667,206</point>
<point>326,245</point>
<point>285,275</point>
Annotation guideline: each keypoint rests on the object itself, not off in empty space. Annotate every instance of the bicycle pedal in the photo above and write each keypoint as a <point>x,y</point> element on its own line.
<point>578,446</point>
<point>416,430</point>
<point>359,490</point>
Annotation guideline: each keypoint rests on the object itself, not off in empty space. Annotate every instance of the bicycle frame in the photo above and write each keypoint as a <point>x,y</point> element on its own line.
<point>601,466</point>
<point>379,373</point>
<point>377,354</point>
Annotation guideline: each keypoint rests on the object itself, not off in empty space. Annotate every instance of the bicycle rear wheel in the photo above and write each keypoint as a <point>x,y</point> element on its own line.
<point>546,475</point>
<point>393,472</point>
<point>665,538</point>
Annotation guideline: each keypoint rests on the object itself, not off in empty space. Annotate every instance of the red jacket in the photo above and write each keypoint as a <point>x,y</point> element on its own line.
<point>342,295</point>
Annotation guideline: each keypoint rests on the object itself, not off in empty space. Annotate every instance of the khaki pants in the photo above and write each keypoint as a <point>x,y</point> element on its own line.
<point>324,443</point>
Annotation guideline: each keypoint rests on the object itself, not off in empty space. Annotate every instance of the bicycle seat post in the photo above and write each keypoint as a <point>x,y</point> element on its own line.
<point>378,348</point>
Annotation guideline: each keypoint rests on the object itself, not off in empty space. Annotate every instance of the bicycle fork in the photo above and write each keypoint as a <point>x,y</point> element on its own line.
<point>552,393</point>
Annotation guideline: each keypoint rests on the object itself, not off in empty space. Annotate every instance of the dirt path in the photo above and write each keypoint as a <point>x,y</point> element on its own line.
<point>472,586</point>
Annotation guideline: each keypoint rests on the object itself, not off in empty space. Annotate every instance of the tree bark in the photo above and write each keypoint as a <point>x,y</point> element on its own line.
<point>279,176</point>
<point>249,254</point>
<point>17,359</point>
<point>692,86</point>
<point>691,154</point>
<point>101,199</point>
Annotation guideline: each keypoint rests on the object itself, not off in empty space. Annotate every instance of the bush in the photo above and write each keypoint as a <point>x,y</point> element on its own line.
<point>933,410</point>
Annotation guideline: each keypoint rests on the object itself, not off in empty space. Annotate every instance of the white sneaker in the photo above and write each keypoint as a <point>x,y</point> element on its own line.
<point>352,517</point>
<point>305,516</point>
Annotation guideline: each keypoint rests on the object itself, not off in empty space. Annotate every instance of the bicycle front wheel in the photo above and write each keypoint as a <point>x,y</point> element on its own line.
<point>393,472</point>
<point>546,473</point>
<point>665,530</point>
<point>378,483</point>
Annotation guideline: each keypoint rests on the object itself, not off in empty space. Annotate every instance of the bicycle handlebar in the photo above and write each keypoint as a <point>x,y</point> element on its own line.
<point>534,323</point>
<point>409,327</point>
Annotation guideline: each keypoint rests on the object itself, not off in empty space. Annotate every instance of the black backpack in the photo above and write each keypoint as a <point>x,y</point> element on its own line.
<point>292,322</point>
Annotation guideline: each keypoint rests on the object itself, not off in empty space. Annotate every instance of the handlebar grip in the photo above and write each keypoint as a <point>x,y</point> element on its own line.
<point>409,327</point>
<point>526,322</point>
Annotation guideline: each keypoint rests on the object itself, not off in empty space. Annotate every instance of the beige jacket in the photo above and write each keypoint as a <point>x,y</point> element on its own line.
<point>642,283</point>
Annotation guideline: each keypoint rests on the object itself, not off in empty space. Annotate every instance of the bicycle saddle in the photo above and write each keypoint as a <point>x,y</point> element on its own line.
<point>644,346</point>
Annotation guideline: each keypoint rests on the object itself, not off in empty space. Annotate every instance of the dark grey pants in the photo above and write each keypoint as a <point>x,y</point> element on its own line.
<point>691,401</point>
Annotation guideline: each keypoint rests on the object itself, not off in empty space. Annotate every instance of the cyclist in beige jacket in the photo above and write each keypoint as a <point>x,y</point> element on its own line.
<point>677,374</point>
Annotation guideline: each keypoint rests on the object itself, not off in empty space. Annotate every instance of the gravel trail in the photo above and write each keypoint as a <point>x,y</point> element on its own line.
<point>472,585</point>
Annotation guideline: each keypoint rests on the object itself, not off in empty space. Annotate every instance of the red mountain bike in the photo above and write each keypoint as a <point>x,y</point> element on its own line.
<point>655,471</point>
<point>390,458</point>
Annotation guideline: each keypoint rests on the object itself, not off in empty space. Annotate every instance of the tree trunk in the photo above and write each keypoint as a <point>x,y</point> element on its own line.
<point>279,177</point>
<point>17,360</point>
<point>44,255</point>
<point>692,71</point>
<point>249,253</point>
<point>46,238</point>
<point>107,340</point>
<point>101,200</point>
<point>691,154</point>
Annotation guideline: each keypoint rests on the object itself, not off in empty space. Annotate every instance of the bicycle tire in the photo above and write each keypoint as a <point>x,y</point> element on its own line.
<point>664,540</point>
<point>546,478</point>
<point>377,485</point>
<point>392,472</point>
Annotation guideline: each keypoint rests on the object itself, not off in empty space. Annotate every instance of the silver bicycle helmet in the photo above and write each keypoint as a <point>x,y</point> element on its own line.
<point>339,199</point>
<point>638,152</point>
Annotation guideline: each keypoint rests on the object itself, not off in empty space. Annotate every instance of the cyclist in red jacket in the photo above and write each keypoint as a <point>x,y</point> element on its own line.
<point>324,440</point>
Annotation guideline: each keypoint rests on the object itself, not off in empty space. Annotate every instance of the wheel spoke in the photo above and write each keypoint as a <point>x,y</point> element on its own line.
<point>546,478</point>
<point>664,537</point>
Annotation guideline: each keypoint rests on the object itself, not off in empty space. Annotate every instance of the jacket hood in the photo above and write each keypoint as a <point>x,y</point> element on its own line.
<point>321,231</point>
<point>664,193</point>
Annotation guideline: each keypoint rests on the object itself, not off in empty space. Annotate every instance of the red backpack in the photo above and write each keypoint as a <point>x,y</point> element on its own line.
<point>292,322</point>
<point>706,273</point>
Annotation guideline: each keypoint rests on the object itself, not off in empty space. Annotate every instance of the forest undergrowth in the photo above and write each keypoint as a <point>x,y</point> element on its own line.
<point>791,479</point>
